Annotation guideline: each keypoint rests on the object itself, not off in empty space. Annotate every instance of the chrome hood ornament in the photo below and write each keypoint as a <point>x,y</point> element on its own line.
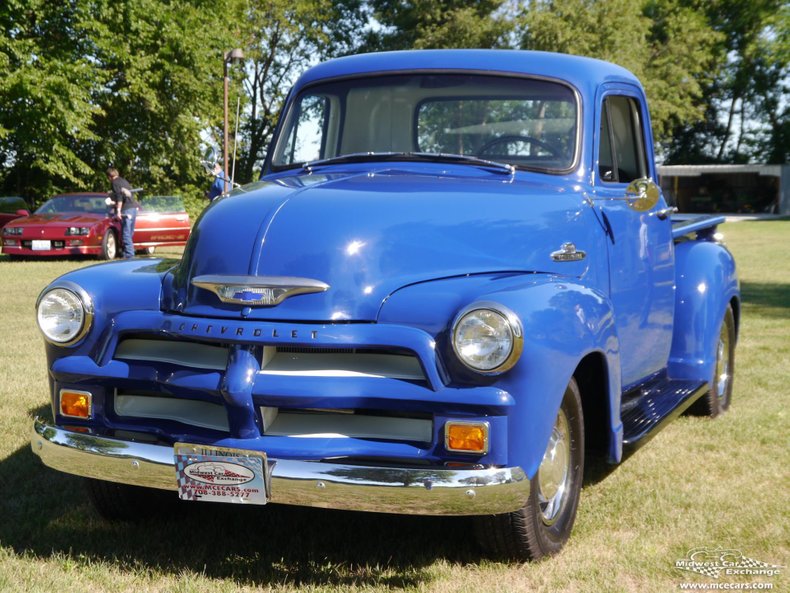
<point>257,290</point>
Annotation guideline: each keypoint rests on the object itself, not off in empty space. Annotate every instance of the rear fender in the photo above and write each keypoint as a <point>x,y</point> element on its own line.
<point>706,283</point>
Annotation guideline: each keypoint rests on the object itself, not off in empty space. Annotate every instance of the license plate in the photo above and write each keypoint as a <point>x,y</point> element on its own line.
<point>219,474</point>
<point>40,245</point>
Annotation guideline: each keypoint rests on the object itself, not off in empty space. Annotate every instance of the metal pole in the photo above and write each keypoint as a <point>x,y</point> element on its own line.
<point>235,140</point>
<point>225,125</point>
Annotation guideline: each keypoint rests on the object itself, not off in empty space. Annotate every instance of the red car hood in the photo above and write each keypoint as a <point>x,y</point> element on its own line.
<point>65,219</point>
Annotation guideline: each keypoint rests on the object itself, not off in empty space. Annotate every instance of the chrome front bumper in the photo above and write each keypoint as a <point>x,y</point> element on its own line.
<point>307,483</point>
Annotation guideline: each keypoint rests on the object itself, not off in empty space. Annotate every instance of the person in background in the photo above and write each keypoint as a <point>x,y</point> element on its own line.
<point>125,209</point>
<point>218,186</point>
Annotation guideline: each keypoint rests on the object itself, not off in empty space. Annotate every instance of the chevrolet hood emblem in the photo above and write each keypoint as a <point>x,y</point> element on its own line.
<point>257,290</point>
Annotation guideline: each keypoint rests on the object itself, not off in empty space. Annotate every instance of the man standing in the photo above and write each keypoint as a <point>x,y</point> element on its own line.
<point>125,208</point>
<point>218,186</point>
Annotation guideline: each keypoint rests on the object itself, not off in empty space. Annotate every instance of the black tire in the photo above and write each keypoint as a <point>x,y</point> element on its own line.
<point>718,398</point>
<point>542,526</point>
<point>121,502</point>
<point>109,245</point>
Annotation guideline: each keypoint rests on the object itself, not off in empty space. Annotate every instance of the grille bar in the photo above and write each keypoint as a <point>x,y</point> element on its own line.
<point>304,362</point>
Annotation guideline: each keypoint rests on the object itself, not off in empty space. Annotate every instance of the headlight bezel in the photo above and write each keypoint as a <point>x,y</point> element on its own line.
<point>513,323</point>
<point>78,231</point>
<point>86,303</point>
<point>12,231</point>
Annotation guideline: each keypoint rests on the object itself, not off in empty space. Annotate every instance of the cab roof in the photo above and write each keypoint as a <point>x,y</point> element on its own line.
<point>582,73</point>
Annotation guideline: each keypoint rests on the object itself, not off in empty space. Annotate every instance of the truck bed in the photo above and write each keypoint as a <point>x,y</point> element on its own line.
<point>703,225</point>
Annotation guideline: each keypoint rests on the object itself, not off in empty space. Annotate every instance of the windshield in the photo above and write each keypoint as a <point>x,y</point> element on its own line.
<point>525,122</point>
<point>94,204</point>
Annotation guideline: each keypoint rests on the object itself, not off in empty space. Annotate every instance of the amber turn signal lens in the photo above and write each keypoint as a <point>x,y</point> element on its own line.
<point>76,404</point>
<point>466,437</point>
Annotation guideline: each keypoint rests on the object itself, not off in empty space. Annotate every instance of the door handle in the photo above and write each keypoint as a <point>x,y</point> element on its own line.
<point>665,213</point>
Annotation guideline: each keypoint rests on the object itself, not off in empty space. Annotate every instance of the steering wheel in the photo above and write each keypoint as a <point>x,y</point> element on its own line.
<point>508,138</point>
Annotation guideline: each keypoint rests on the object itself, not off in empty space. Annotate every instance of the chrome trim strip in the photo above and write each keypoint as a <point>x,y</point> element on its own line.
<point>411,491</point>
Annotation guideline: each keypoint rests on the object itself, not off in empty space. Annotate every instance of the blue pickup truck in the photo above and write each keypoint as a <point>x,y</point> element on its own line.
<point>455,280</point>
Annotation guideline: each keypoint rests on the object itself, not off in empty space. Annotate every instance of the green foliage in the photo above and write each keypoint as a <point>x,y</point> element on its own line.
<point>282,38</point>
<point>164,67</point>
<point>46,103</point>
<point>431,24</point>
<point>90,83</point>
<point>668,46</point>
<point>748,101</point>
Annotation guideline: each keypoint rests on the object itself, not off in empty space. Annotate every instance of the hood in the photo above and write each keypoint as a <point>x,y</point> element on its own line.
<point>64,219</point>
<point>367,235</point>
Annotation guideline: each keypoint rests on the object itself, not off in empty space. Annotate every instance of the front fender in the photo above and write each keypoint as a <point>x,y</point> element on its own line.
<point>112,288</point>
<point>563,322</point>
<point>706,283</point>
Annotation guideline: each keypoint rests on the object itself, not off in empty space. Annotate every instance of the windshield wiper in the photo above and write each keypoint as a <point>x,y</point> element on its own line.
<point>434,157</point>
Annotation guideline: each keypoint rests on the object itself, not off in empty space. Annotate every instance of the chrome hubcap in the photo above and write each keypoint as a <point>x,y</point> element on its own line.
<point>554,471</point>
<point>722,377</point>
<point>111,246</point>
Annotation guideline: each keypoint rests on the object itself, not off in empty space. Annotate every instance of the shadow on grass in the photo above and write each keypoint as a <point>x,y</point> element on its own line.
<point>46,514</point>
<point>771,299</point>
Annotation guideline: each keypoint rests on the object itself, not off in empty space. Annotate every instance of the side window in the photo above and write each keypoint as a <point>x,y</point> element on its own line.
<point>621,153</point>
<point>307,135</point>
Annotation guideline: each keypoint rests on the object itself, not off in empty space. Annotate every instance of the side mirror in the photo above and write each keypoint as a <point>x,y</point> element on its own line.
<point>209,158</point>
<point>642,194</point>
<point>22,213</point>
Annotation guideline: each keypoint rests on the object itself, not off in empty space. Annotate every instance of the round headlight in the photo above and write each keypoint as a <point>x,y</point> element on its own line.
<point>487,338</point>
<point>63,316</point>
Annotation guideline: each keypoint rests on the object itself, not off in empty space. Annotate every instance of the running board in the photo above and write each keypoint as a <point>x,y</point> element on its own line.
<point>650,407</point>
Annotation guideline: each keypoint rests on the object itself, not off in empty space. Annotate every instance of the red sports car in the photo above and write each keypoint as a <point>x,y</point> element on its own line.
<point>82,224</point>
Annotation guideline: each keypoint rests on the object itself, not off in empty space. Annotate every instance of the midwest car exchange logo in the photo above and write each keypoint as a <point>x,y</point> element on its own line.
<point>717,562</point>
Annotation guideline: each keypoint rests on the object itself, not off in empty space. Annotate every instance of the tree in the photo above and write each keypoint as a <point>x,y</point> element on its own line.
<point>431,24</point>
<point>46,95</point>
<point>670,47</point>
<point>281,39</point>
<point>747,101</point>
<point>94,82</point>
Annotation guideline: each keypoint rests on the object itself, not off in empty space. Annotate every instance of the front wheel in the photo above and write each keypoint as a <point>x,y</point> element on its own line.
<point>109,245</point>
<point>542,526</point>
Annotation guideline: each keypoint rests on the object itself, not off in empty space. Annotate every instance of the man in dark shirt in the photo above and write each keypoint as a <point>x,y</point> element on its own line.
<point>125,208</point>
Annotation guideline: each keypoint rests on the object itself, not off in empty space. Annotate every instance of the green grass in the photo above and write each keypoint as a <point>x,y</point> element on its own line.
<point>699,483</point>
